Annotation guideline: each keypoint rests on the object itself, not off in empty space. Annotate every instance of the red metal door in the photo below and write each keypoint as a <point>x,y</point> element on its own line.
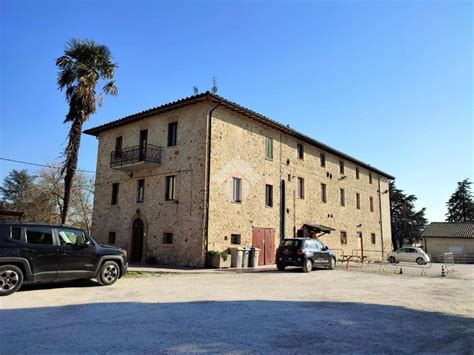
<point>269,246</point>
<point>258,241</point>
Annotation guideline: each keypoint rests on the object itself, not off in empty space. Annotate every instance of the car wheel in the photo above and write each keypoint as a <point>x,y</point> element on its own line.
<point>108,273</point>
<point>281,267</point>
<point>332,264</point>
<point>11,279</point>
<point>391,260</point>
<point>308,265</point>
<point>420,261</point>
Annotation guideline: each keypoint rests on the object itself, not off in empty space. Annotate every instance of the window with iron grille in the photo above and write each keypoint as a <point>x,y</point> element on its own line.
<point>172,134</point>
<point>170,193</point>
<point>115,192</point>
<point>236,189</point>
<point>167,238</point>
<point>269,195</point>
<point>140,190</point>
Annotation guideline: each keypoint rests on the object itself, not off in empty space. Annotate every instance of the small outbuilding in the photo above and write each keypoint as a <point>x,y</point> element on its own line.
<point>450,237</point>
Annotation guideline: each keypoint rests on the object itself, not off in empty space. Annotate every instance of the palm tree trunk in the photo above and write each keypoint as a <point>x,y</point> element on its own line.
<point>70,164</point>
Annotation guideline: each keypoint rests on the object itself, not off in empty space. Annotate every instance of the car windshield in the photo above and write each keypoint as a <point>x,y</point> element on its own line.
<point>289,243</point>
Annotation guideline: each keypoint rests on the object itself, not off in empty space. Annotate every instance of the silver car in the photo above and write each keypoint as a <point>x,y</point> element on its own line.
<point>409,254</point>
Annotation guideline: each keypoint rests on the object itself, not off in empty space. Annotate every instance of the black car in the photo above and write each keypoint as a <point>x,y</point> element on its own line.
<point>304,252</point>
<point>31,252</point>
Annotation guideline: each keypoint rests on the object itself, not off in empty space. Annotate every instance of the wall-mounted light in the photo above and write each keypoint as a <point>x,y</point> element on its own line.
<point>360,225</point>
<point>342,177</point>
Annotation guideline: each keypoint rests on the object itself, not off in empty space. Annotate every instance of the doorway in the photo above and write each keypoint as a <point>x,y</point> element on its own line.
<point>264,239</point>
<point>137,241</point>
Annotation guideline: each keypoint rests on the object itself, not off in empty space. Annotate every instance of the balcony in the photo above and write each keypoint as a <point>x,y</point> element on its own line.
<point>136,158</point>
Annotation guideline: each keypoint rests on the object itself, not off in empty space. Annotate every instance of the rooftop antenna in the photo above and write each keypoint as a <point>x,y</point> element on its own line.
<point>214,86</point>
<point>195,89</point>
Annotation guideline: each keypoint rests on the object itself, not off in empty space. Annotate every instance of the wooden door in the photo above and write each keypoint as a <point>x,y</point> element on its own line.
<point>258,241</point>
<point>264,239</point>
<point>269,246</point>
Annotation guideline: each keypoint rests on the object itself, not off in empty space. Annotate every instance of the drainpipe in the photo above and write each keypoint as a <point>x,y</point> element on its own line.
<point>380,211</point>
<point>208,178</point>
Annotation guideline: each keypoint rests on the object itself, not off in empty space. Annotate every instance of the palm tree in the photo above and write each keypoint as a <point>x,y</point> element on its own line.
<point>82,66</point>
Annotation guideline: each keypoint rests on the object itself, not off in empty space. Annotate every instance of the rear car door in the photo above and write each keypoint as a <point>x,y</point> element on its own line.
<point>40,248</point>
<point>320,257</point>
<point>77,256</point>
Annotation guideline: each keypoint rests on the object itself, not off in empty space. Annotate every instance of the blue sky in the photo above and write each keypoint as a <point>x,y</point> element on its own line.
<point>389,82</point>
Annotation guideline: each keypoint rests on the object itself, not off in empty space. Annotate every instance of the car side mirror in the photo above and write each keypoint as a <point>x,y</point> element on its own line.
<point>87,243</point>
<point>325,248</point>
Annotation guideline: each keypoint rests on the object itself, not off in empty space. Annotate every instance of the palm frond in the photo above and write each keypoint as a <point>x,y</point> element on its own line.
<point>110,88</point>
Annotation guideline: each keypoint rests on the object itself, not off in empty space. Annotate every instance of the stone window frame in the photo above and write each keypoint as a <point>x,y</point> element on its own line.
<point>358,200</point>
<point>172,134</point>
<point>170,188</point>
<point>236,189</point>
<point>140,190</point>
<point>371,203</point>
<point>268,195</point>
<point>343,238</point>
<point>357,173</point>
<point>341,167</point>
<point>168,238</point>
<point>342,197</point>
<point>373,238</point>
<point>323,193</point>
<point>235,239</point>
<point>112,239</point>
<point>300,187</point>
<point>322,160</point>
<point>300,151</point>
<point>269,148</point>
<point>115,193</point>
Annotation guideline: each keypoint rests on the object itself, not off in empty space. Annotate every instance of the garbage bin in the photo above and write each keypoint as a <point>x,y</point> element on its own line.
<point>254,254</point>
<point>236,256</point>
<point>245,257</point>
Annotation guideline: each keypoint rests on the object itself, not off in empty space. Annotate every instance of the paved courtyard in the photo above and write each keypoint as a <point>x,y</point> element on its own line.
<point>266,312</point>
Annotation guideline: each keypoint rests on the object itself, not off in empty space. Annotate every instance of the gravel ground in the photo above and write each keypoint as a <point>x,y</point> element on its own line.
<point>267,312</point>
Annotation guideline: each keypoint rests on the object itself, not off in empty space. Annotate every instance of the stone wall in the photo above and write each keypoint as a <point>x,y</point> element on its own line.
<point>238,150</point>
<point>182,217</point>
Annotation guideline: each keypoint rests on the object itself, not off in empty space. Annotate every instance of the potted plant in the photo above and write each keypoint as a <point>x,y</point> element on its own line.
<point>218,259</point>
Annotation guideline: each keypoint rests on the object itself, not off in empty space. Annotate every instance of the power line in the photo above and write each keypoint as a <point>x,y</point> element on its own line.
<point>42,165</point>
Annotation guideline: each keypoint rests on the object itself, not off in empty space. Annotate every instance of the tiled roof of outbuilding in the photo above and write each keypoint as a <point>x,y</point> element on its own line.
<point>234,107</point>
<point>449,230</point>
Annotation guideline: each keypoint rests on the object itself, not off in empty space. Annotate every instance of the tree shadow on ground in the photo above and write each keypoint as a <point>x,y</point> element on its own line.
<point>234,326</point>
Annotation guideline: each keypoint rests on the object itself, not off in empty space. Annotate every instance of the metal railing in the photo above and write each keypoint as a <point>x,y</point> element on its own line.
<point>146,153</point>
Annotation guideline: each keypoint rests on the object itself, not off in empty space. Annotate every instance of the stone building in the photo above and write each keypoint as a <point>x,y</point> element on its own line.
<point>204,173</point>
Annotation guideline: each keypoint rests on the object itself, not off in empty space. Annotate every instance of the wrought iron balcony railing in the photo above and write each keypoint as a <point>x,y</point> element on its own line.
<point>139,154</point>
